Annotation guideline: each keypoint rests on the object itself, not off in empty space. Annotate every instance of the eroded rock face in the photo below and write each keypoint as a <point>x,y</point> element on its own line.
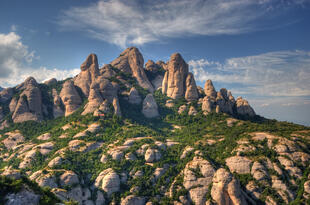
<point>207,105</point>
<point>44,180</point>
<point>198,175</point>
<point>50,81</point>
<point>13,140</point>
<point>6,95</point>
<point>178,82</point>
<point>152,155</point>
<point>106,71</point>
<point>109,181</point>
<point>94,101</point>
<point>55,162</point>
<point>117,107</point>
<point>134,97</point>
<point>238,164</point>
<point>29,104</point>
<point>226,189</point>
<point>131,61</point>
<point>57,105</point>
<point>259,172</point>
<point>243,107</point>
<point>191,92</point>
<point>101,90</point>
<point>133,200</point>
<point>209,89</point>
<point>69,178</point>
<point>22,197</point>
<point>70,97</point>
<point>89,71</point>
<point>150,108</point>
<point>224,102</point>
<point>151,66</point>
<point>282,189</point>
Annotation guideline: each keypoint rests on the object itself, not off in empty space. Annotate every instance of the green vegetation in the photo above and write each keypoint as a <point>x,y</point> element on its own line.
<point>8,186</point>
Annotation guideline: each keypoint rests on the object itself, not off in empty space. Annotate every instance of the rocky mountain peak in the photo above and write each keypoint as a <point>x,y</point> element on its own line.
<point>89,72</point>
<point>209,89</point>
<point>178,82</point>
<point>30,81</point>
<point>131,61</point>
<point>29,105</point>
<point>151,66</point>
<point>177,58</point>
<point>70,97</point>
<point>50,81</point>
<point>91,62</point>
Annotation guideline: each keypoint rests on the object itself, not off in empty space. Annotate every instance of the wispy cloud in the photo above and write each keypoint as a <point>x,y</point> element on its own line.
<point>137,22</point>
<point>282,73</point>
<point>16,59</point>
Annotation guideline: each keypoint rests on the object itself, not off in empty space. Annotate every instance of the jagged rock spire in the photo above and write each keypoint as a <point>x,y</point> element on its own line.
<point>88,74</point>
<point>209,89</point>
<point>131,61</point>
<point>178,82</point>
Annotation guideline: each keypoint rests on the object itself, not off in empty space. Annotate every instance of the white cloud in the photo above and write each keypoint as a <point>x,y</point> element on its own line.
<point>16,59</point>
<point>282,73</point>
<point>137,22</point>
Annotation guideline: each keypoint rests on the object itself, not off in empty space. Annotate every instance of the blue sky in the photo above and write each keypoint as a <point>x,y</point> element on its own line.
<point>257,49</point>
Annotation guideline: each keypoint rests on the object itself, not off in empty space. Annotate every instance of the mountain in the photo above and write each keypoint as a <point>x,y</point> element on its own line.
<point>135,133</point>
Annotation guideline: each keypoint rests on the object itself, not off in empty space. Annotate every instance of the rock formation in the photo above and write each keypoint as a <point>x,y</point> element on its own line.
<point>150,108</point>
<point>191,92</point>
<point>29,104</point>
<point>131,61</point>
<point>151,66</point>
<point>6,95</point>
<point>243,107</point>
<point>223,101</point>
<point>70,97</point>
<point>109,181</point>
<point>89,72</point>
<point>226,189</point>
<point>133,200</point>
<point>134,97</point>
<point>50,81</point>
<point>178,82</point>
<point>57,104</point>
<point>106,71</point>
<point>209,89</point>
<point>198,186</point>
<point>117,107</point>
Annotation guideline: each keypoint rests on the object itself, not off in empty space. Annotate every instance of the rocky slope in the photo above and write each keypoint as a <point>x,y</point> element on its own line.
<point>130,133</point>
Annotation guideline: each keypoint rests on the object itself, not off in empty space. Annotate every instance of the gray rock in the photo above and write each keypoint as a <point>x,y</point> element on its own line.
<point>150,108</point>
<point>134,97</point>
<point>22,197</point>
<point>152,155</point>
<point>226,189</point>
<point>133,200</point>
<point>238,164</point>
